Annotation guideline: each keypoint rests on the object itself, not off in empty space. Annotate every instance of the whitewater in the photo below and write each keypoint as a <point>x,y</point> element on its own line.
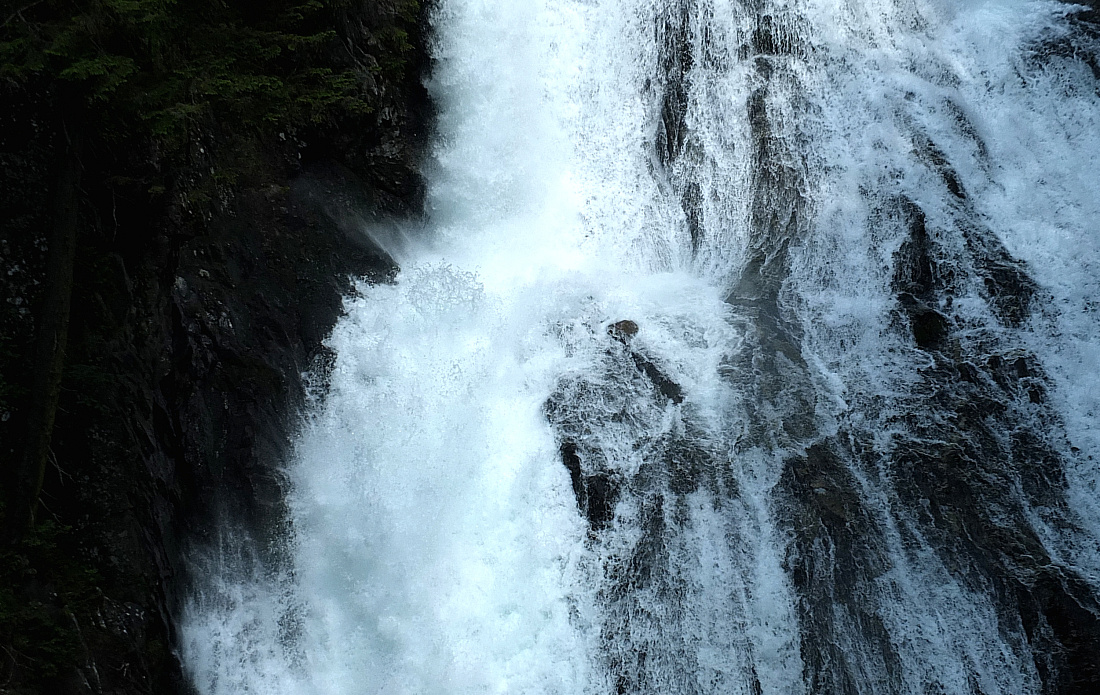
<point>747,347</point>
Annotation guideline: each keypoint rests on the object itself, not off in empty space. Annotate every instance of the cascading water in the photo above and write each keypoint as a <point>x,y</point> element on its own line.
<point>751,348</point>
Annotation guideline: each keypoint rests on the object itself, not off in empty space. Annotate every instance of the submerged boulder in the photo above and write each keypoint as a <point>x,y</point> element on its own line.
<point>623,331</point>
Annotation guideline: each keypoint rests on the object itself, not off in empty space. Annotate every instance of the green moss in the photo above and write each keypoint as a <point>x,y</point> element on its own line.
<point>160,67</point>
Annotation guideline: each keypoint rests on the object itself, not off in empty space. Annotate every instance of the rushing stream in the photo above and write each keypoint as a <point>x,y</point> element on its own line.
<point>750,347</point>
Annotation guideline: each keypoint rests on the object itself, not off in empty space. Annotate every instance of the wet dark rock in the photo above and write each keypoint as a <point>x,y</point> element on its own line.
<point>939,162</point>
<point>668,388</point>
<point>771,38</point>
<point>837,546</point>
<point>1079,45</point>
<point>928,326</point>
<point>1005,282</point>
<point>691,202</point>
<point>623,331</point>
<point>596,493</point>
<point>919,281</point>
<point>634,389</point>
<point>638,467</point>
<point>1008,287</point>
<point>675,61</point>
<point>917,272</point>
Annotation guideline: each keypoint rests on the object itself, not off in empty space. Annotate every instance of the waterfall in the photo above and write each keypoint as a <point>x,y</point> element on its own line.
<point>750,347</point>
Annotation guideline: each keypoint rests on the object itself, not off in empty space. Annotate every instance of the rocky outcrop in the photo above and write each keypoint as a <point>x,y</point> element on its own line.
<point>195,312</point>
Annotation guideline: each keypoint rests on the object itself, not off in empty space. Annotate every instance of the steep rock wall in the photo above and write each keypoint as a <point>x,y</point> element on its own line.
<point>195,311</point>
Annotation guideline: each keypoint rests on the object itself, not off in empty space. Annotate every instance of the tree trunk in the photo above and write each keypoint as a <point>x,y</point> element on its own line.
<point>51,331</point>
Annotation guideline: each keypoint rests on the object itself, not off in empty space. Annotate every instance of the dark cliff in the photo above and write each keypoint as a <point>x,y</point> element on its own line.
<point>204,282</point>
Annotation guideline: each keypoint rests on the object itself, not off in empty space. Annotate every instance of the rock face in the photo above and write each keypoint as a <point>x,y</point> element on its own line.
<point>596,481</point>
<point>192,323</point>
<point>623,331</point>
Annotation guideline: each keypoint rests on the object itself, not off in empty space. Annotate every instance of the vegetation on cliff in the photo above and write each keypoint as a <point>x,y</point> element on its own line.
<point>160,67</point>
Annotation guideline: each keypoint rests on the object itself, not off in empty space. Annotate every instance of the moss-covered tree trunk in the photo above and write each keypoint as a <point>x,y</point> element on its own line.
<point>52,328</point>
